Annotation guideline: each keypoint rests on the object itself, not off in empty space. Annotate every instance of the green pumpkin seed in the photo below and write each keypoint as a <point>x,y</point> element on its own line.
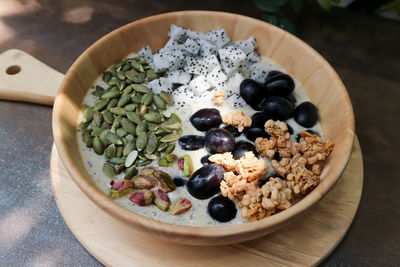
<point>152,126</point>
<point>129,147</point>
<point>116,123</point>
<point>98,146</point>
<point>82,126</point>
<point>147,99</point>
<point>121,85</point>
<point>159,102</point>
<point>169,138</point>
<point>112,103</point>
<point>121,132</point>
<point>126,67</point>
<point>130,74</point>
<point>98,130</point>
<point>120,150</point>
<point>170,148</point>
<point>99,91</point>
<point>86,136</point>
<point>151,143</point>
<point>100,104</point>
<point>136,98</point>
<point>166,113</point>
<point>175,117</point>
<point>179,132</point>
<point>127,90</point>
<point>130,107</point>
<point>141,156</point>
<point>109,170</point>
<point>120,168</point>
<point>162,146</point>
<point>129,138</point>
<point>107,76</point>
<point>151,75</point>
<point>118,111</point>
<point>141,128</point>
<point>128,126</point>
<point>141,141</point>
<point>120,75</point>
<point>153,117</point>
<point>113,71</point>
<point>123,100</point>
<point>137,66</point>
<point>113,82</point>
<point>130,172</point>
<point>166,97</point>
<point>117,160</point>
<point>110,151</point>
<point>144,162</point>
<point>130,159</point>
<point>143,109</point>
<point>97,118</point>
<point>88,114</point>
<point>162,132</point>
<point>108,117</point>
<point>114,138</point>
<point>170,125</point>
<point>134,117</point>
<point>119,64</point>
<point>111,94</point>
<point>140,88</point>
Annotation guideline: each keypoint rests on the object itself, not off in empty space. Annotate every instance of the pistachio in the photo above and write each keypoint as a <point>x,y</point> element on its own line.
<point>142,197</point>
<point>167,160</point>
<point>120,188</point>
<point>128,126</point>
<point>113,138</point>
<point>140,88</point>
<point>100,104</point>
<point>187,166</point>
<point>109,170</point>
<point>148,171</point>
<point>153,117</point>
<point>88,114</point>
<point>169,138</point>
<point>161,200</point>
<point>164,181</point>
<point>180,206</point>
<point>151,143</point>
<point>166,97</point>
<point>159,102</point>
<point>98,146</point>
<point>130,172</point>
<point>141,182</point>
<point>130,159</point>
<point>170,148</point>
<point>141,141</point>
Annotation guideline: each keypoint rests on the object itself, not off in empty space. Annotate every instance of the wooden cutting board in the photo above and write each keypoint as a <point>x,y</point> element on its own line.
<point>305,242</point>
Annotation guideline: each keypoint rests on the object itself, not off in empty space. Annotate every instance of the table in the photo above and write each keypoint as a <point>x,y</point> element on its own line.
<point>364,50</point>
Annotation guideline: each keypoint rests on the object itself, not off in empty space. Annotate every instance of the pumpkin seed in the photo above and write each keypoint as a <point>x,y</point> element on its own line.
<point>120,168</point>
<point>151,143</point>
<point>130,74</point>
<point>98,146</point>
<point>119,64</point>
<point>120,150</point>
<point>112,103</point>
<point>127,90</point>
<point>113,138</point>
<point>140,88</point>
<point>166,97</point>
<point>120,75</point>
<point>166,113</point>
<point>121,132</point>
<point>87,138</point>
<point>143,109</point>
<point>97,118</point>
<point>162,132</point>
<point>137,66</point>
<point>159,102</point>
<point>170,148</point>
<point>108,117</point>
<point>98,91</point>
<point>121,85</point>
<point>147,99</point>
<point>100,104</point>
<point>175,117</point>
<point>118,111</point>
<point>136,98</point>
<point>88,114</point>
<point>179,132</point>
<point>170,125</point>
<point>110,151</point>
<point>151,75</point>
<point>128,126</point>
<point>98,130</point>
<point>107,76</point>
<point>117,160</point>
<point>130,107</point>
<point>141,141</point>
<point>113,82</point>
<point>126,67</point>
<point>134,117</point>
<point>169,138</point>
<point>139,77</point>
<point>152,126</point>
<point>109,170</point>
<point>162,146</point>
<point>145,162</point>
<point>153,117</point>
<point>130,172</point>
<point>129,147</point>
<point>141,128</point>
<point>123,100</point>
<point>130,159</point>
<point>102,137</point>
<point>141,156</point>
<point>129,138</point>
<point>111,94</point>
<point>113,71</point>
<point>115,124</point>
<point>82,126</point>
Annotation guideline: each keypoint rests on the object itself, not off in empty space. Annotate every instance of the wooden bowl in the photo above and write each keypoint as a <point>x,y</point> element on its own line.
<point>318,78</point>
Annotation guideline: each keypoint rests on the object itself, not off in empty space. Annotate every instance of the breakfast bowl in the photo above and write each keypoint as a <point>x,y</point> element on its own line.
<point>317,77</point>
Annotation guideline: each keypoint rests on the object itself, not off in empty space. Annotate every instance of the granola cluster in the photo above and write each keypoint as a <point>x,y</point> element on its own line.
<point>219,98</point>
<point>237,119</point>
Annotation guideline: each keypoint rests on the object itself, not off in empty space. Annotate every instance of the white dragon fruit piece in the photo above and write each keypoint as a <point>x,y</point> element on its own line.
<point>199,85</point>
<point>176,59</point>
<point>191,46</point>
<point>177,33</point>
<point>206,97</point>
<point>247,46</point>
<point>232,55</point>
<point>196,35</point>
<point>161,62</point>
<point>236,101</point>
<point>211,62</point>
<point>170,45</point>
<point>224,87</point>
<point>252,58</point>
<point>258,73</point>
<point>207,48</point>
<point>183,97</point>
<point>218,37</point>
<point>229,67</point>
<point>178,77</point>
<point>160,84</point>
<point>146,53</point>
<point>195,66</point>
<point>234,82</point>
<point>216,76</point>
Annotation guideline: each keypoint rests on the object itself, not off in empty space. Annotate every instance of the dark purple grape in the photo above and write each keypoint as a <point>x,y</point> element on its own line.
<point>251,92</point>
<point>292,99</point>
<point>204,160</point>
<point>221,209</point>
<point>178,181</point>
<point>241,148</point>
<point>252,133</point>
<point>191,142</point>
<point>258,119</point>
<point>205,119</point>
<point>204,183</point>
<point>290,129</point>
<point>219,140</point>
<point>278,84</point>
<point>306,114</point>
<point>233,130</point>
<point>273,73</point>
<point>298,136</point>
<point>278,108</point>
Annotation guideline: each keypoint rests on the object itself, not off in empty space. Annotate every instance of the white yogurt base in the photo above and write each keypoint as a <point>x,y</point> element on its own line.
<point>197,215</point>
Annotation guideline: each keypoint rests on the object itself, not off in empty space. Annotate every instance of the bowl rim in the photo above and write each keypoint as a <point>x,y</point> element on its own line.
<point>130,217</point>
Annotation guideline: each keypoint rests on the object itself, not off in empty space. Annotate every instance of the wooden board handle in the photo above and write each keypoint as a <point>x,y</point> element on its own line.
<point>25,78</point>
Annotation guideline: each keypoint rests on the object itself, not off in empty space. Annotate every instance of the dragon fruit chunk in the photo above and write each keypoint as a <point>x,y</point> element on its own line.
<point>236,101</point>
<point>258,73</point>
<point>177,33</point>
<point>191,47</point>
<point>205,97</point>
<point>218,37</point>
<point>160,84</point>
<point>160,61</point>
<point>178,77</point>
<point>196,35</point>
<point>183,97</point>
<point>207,48</point>
<point>199,84</point>
<point>146,53</point>
<point>176,59</point>
<point>252,58</point>
<point>216,76</point>
<point>224,87</point>
<point>228,67</point>
<point>247,46</point>
<point>234,82</point>
<point>195,66</point>
<point>232,55</point>
<point>211,62</point>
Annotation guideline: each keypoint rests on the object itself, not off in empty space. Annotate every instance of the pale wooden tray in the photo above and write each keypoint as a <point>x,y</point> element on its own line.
<point>305,242</point>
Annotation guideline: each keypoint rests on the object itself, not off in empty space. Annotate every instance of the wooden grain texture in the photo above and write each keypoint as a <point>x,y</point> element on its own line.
<point>34,82</point>
<point>305,242</point>
<point>318,78</point>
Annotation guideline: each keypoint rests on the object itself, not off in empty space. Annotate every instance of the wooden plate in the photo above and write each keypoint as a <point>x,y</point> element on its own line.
<point>305,242</point>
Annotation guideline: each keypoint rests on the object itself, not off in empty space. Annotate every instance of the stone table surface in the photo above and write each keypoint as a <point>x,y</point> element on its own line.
<point>364,50</point>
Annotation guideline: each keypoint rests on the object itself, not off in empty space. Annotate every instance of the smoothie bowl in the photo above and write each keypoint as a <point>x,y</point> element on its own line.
<point>203,128</point>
